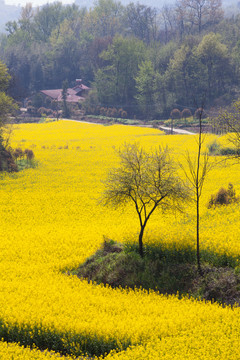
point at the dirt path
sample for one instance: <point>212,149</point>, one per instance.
<point>82,121</point>
<point>178,131</point>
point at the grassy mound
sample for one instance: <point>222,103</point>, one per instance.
<point>166,270</point>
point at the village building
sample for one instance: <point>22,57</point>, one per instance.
<point>74,95</point>
<point>50,102</point>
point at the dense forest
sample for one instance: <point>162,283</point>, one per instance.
<point>144,60</point>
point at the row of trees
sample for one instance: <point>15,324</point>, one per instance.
<point>199,66</point>
<point>144,60</point>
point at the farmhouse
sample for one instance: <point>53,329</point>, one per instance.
<point>74,95</point>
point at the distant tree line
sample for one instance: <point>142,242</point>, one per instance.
<point>143,60</point>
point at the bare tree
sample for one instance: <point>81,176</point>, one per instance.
<point>202,12</point>
<point>196,173</point>
<point>141,21</point>
<point>147,180</point>
<point>168,17</point>
<point>229,121</point>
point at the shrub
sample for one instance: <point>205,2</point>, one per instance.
<point>29,154</point>
<point>186,113</point>
<point>223,197</point>
<point>200,112</point>
<point>214,148</point>
<point>155,124</point>
<point>124,114</point>
<point>31,110</point>
<point>6,161</point>
<point>109,112</point>
<point>103,111</point>
<point>114,112</point>
<point>49,111</point>
<point>229,151</point>
<point>18,153</point>
<point>175,114</point>
<point>42,110</point>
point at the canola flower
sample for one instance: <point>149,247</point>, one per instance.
<point>11,351</point>
<point>202,344</point>
<point>51,221</point>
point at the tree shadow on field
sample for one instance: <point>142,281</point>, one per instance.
<point>168,270</point>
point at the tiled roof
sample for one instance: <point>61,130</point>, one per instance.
<point>80,87</point>
<point>56,94</point>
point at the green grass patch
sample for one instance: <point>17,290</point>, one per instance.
<point>167,270</point>
<point>112,120</point>
<point>23,164</point>
<point>216,149</point>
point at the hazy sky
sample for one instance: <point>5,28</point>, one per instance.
<point>41,2</point>
<point>34,2</point>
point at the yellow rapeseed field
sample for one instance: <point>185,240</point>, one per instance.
<point>51,221</point>
<point>12,351</point>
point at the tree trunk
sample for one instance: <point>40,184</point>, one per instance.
<point>140,241</point>
<point>198,240</point>
<point>198,190</point>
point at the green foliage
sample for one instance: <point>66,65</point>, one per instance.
<point>105,19</point>
<point>6,103</point>
<point>216,61</point>
<point>230,151</point>
<point>24,159</point>
<point>146,89</point>
<point>115,82</point>
<point>214,148</point>
<point>4,76</point>
<point>131,59</point>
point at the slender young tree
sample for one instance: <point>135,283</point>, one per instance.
<point>148,181</point>
<point>196,173</point>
